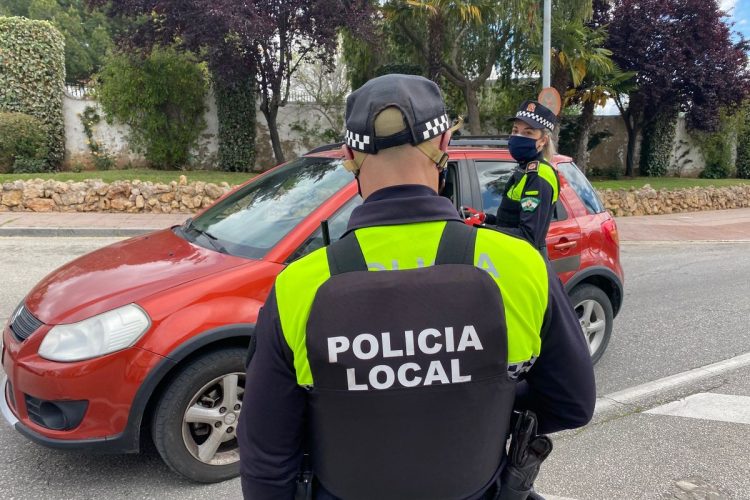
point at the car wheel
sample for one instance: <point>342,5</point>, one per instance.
<point>195,423</point>
<point>594,311</point>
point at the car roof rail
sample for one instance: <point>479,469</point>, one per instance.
<point>327,147</point>
<point>492,141</point>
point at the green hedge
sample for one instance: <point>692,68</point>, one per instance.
<point>21,137</point>
<point>32,58</point>
<point>162,98</point>
<point>743,146</point>
<point>656,148</point>
<point>235,107</point>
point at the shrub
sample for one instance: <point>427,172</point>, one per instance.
<point>161,97</point>
<point>32,57</point>
<point>718,155</point>
<point>30,165</point>
<point>21,136</point>
<point>743,146</point>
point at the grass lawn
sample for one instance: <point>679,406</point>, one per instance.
<point>665,182</point>
<point>165,176</point>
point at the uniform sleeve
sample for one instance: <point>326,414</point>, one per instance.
<point>271,425</point>
<point>560,387</point>
<point>535,218</point>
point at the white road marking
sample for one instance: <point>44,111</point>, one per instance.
<point>637,393</point>
<point>709,406</point>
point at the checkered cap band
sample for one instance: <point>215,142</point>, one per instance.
<point>360,142</point>
<point>432,128</point>
<point>516,369</point>
<point>537,118</point>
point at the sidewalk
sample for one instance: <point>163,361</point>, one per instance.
<point>718,225</point>
<point>84,223</point>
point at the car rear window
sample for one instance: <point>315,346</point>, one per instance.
<point>582,187</point>
<point>251,221</point>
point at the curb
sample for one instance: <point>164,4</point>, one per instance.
<point>640,397</point>
<point>74,232</point>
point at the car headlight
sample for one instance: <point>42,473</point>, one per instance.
<point>96,336</point>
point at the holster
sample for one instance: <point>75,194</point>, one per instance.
<point>525,456</point>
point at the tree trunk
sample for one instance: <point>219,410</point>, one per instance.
<point>472,107</point>
<point>582,142</point>
<point>271,112</point>
<point>559,80</point>
<point>436,40</point>
<point>632,135</point>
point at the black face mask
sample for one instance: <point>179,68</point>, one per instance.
<point>522,149</point>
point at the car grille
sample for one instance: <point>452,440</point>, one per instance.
<point>24,324</point>
<point>34,409</point>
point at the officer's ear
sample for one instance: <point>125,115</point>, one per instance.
<point>349,162</point>
<point>445,140</point>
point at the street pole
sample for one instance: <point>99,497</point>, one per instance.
<point>546,43</point>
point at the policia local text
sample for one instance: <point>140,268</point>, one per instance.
<point>430,341</point>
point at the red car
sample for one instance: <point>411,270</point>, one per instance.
<point>147,337</point>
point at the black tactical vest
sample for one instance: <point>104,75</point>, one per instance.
<point>411,396</point>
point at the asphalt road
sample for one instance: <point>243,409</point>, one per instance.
<point>686,305</point>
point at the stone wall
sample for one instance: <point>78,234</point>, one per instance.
<point>686,159</point>
<point>120,196</point>
<point>297,122</point>
<point>180,196</point>
<point>648,201</point>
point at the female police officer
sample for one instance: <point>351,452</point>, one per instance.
<point>530,194</point>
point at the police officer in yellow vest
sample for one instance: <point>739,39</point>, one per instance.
<point>530,194</point>
<point>396,355</point>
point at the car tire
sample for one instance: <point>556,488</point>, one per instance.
<point>593,306</point>
<point>195,421</point>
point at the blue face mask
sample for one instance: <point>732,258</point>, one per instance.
<point>522,149</point>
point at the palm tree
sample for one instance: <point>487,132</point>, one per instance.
<point>595,89</point>
<point>462,40</point>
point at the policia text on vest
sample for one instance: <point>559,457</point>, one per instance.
<point>367,346</point>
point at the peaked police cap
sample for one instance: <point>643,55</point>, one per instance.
<point>536,115</point>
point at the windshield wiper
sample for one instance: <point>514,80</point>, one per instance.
<point>212,240</point>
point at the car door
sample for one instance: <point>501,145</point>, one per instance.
<point>564,235</point>
<point>564,239</point>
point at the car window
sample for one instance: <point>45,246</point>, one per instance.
<point>251,221</point>
<point>492,177</point>
<point>582,187</point>
<point>336,226</point>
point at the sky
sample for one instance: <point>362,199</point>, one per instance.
<point>739,13</point>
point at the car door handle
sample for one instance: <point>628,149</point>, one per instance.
<point>564,245</point>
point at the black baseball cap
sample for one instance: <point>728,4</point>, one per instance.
<point>536,115</point>
<point>421,106</point>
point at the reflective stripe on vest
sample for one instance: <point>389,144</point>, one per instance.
<point>515,266</point>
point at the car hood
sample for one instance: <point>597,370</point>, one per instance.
<point>122,273</point>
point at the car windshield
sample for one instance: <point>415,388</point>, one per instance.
<point>249,222</point>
